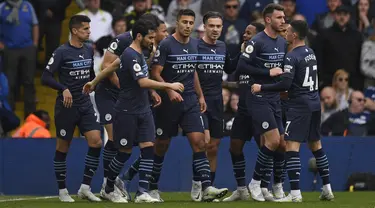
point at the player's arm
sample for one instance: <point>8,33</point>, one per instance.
<point>149,83</point>
<point>247,58</point>
<point>113,52</point>
<point>108,71</point>
<point>53,65</point>
<point>230,85</point>
<point>231,64</point>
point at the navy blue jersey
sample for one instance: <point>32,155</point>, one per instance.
<point>132,98</point>
<point>212,61</point>
<point>178,61</point>
<point>261,54</point>
<point>244,89</point>
<point>301,66</point>
<point>75,69</point>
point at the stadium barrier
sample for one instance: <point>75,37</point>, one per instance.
<point>26,165</point>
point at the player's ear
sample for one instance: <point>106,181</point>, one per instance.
<point>74,31</point>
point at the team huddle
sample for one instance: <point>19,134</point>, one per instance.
<point>152,83</point>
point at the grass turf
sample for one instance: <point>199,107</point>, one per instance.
<point>182,200</point>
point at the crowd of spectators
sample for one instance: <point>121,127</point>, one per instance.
<point>343,39</point>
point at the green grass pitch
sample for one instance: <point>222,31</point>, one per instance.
<point>182,200</point>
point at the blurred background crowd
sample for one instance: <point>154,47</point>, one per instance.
<point>341,34</point>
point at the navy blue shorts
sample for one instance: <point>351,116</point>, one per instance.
<point>186,114</point>
<point>132,129</point>
<point>66,119</point>
<point>302,126</point>
<point>105,102</point>
<point>266,116</point>
<point>214,117</point>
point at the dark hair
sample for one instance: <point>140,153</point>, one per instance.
<point>142,27</point>
<point>270,8</point>
<point>40,113</point>
<point>118,19</point>
<point>77,20</point>
<point>258,26</point>
<point>211,14</point>
<point>152,18</point>
<point>185,12</point>
<point>300,27</point>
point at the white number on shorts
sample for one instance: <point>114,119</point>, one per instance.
<point>287,126</point>
<point>308,81</point>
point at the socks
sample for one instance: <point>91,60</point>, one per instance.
<point>109,153</point>
<point>145,168</point>
<point>195,173</point>
<point>158,165</point>
<point>59,164</point>
<point>264,166</point>
<point>91,164</point>
<point>238,162</point>
<point>213,174</point>
<point>202,166</point>
<point>114,169</point>
<point>133,170</point>
<point>278,167</point>
<point>293,166</point>
<point>322,165</point>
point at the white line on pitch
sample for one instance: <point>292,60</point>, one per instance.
<point>26,199</point>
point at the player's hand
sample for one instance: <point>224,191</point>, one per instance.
<point>88,88</point>
<point>175,96</point>
<point>68,98</point>
<point>284,95</point>
<point>274,72</point>
<point>202,104</point>
<point>255,88</point>
<point>114,80</point>
<point>177,87</point>
<point>156,98</point>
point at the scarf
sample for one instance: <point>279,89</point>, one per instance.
<point>13,16</point>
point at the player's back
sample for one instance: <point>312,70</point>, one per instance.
<point>211,61</point>
<point>74,66</point>
<point>179,61</point>
<point>301,64</point>
<point>132,98</point>
<point>266,53</point>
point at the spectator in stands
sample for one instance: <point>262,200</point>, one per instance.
<point>326,19</point>
<point>328,103</point>
<point>139,8</point>
<point>340,47</point>
<point>363,16</point>
<point>19,34</point>
<point>352,121</point>
<point>51,14</point>
<point>340,84</point>
<point>8,120</point>
<point>251,10</point>
<point>370,98</point>
<point>289,9</point>
<point>101,21</point>
<point>150,7</point>
<point>212,5</point>
<point>230,113</point>
<point>311,36</point>
<point>368,60</point>
<point>36,126</point>
<point>176,5</point>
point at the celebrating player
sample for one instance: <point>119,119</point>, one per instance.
<point>213,59</point>
<point>106,94</point>
<point>262,59</point>
<point>300,78</point>
<point>74,63</point>
<point>175,60</point>
<point>133,111</point>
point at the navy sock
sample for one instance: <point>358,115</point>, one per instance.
<point>145,168</point>
<point>59,164</point>
<point>195,173</point>
<point>238,163</point>
<point>293,166</point>
<point>114,169</point>
<point>109,153</point>
<point>202,166</point>
<point>91,164</point>
<point>322,165</point>
<point>278,167</point>
<point>156,171</point>
<point>264,166</point>
<point>133,170</point>
<point>213,175</point>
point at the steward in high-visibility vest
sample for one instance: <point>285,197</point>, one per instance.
<point>36,126</point>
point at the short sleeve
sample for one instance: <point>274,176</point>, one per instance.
<point>118,45</point>
<point>33,15</point>
<point>54,63</point>
<point>161,54</point>
<point>289,67</point>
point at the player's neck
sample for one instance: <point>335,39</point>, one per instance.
<point>270,32</point>
<point>76,43</point>
<point>297,44</point>
<point>136,46</point>
<point>181,38</point>
<point>208,40</point>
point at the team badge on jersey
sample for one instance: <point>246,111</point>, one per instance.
<point>113,46</point>
<point>157,53</point>
<point>137,67</point>
<point>249,49</point>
